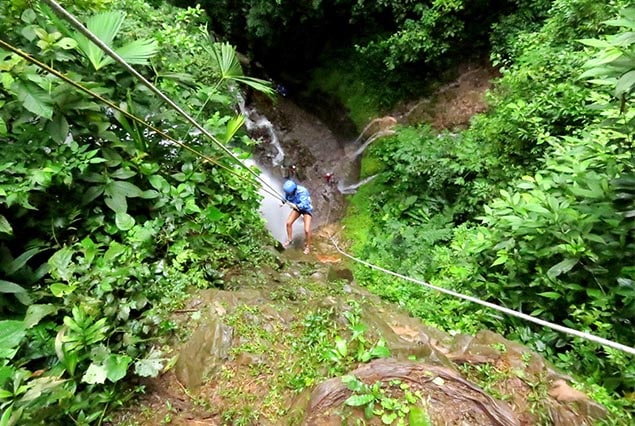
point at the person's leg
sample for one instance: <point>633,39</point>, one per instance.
<point>307,232</point>
<point>293,216</point>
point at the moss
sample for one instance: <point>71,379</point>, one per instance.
<point>359,87</point>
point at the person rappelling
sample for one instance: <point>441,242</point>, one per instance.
<point>299,198</point>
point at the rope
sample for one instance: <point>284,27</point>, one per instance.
<point>560,328</point>
<point>77,85</point>
<point>57,8</point>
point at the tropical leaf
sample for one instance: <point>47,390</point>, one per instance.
<point>5,226</point>
<point>34,99</point>
<point>233,126</point>
<point>229,68</point>
<point>9,287</point>
<point>105,27</point>
<point>226,60</point>
<point>19,262</point>
<point>138,51</point>
<point>35,313</point>
<point>625,84</point>
<point>11,334</point>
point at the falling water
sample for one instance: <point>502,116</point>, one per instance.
<point>255,121</point>
<point>370,140</point>
<point>271,209</point>
<point>351,189</point>
<point>380,123</point>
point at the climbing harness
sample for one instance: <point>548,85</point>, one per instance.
<point>560,328</point>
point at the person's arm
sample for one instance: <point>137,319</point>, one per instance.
<point>303,200</point>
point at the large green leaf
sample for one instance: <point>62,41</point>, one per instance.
<point>124,221</point>
<point>11,334</point>
<point>19,262</point>
<point>561,267</point>
<point>58,128</point>
<point>35,313</point>
<point>138,51</point>
<point>60,263</point>
<point>34,99</point>
<point>9,287</point>
<point>119,188</point>
<point>105,26</point>
<point>5,226</point>
<point>118,204</point>
<point>625,84</point>
<point>95,374</point>
<point>233,126</point>
<point>117,367</point>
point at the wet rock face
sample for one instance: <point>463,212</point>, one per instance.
<point>447,397</point>
<point>440,369</point>
<point>311,152</point>
<point>204,353</point>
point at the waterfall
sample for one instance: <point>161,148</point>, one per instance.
<point>370,140</point>
<point>351,189</point>
<point>254,121</point>
<point>377,128</point>
<point>382,123</point>
<point>273,214</point>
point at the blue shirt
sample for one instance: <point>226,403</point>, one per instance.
<point>301,198</point>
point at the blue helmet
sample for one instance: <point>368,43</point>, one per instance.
<point>289,187</point>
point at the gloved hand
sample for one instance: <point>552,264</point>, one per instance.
<point>293,206</point>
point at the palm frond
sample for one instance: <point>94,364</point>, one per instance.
<point>226,60</point>
<point>138,51</point>
<point>257,84</point>
<point>229,68</point>
<point>105,26</point>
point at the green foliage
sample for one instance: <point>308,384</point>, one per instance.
<point>424,33</point>
<point>103,227</point>
<point>357,348</point>
<point>105,26</point>
<point>531,207</point>
<point>393,403</point>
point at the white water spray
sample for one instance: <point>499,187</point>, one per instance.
<point>255,121</point>
<point>351,189</point>
<point>370,140</point>
<point>272,212</point>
